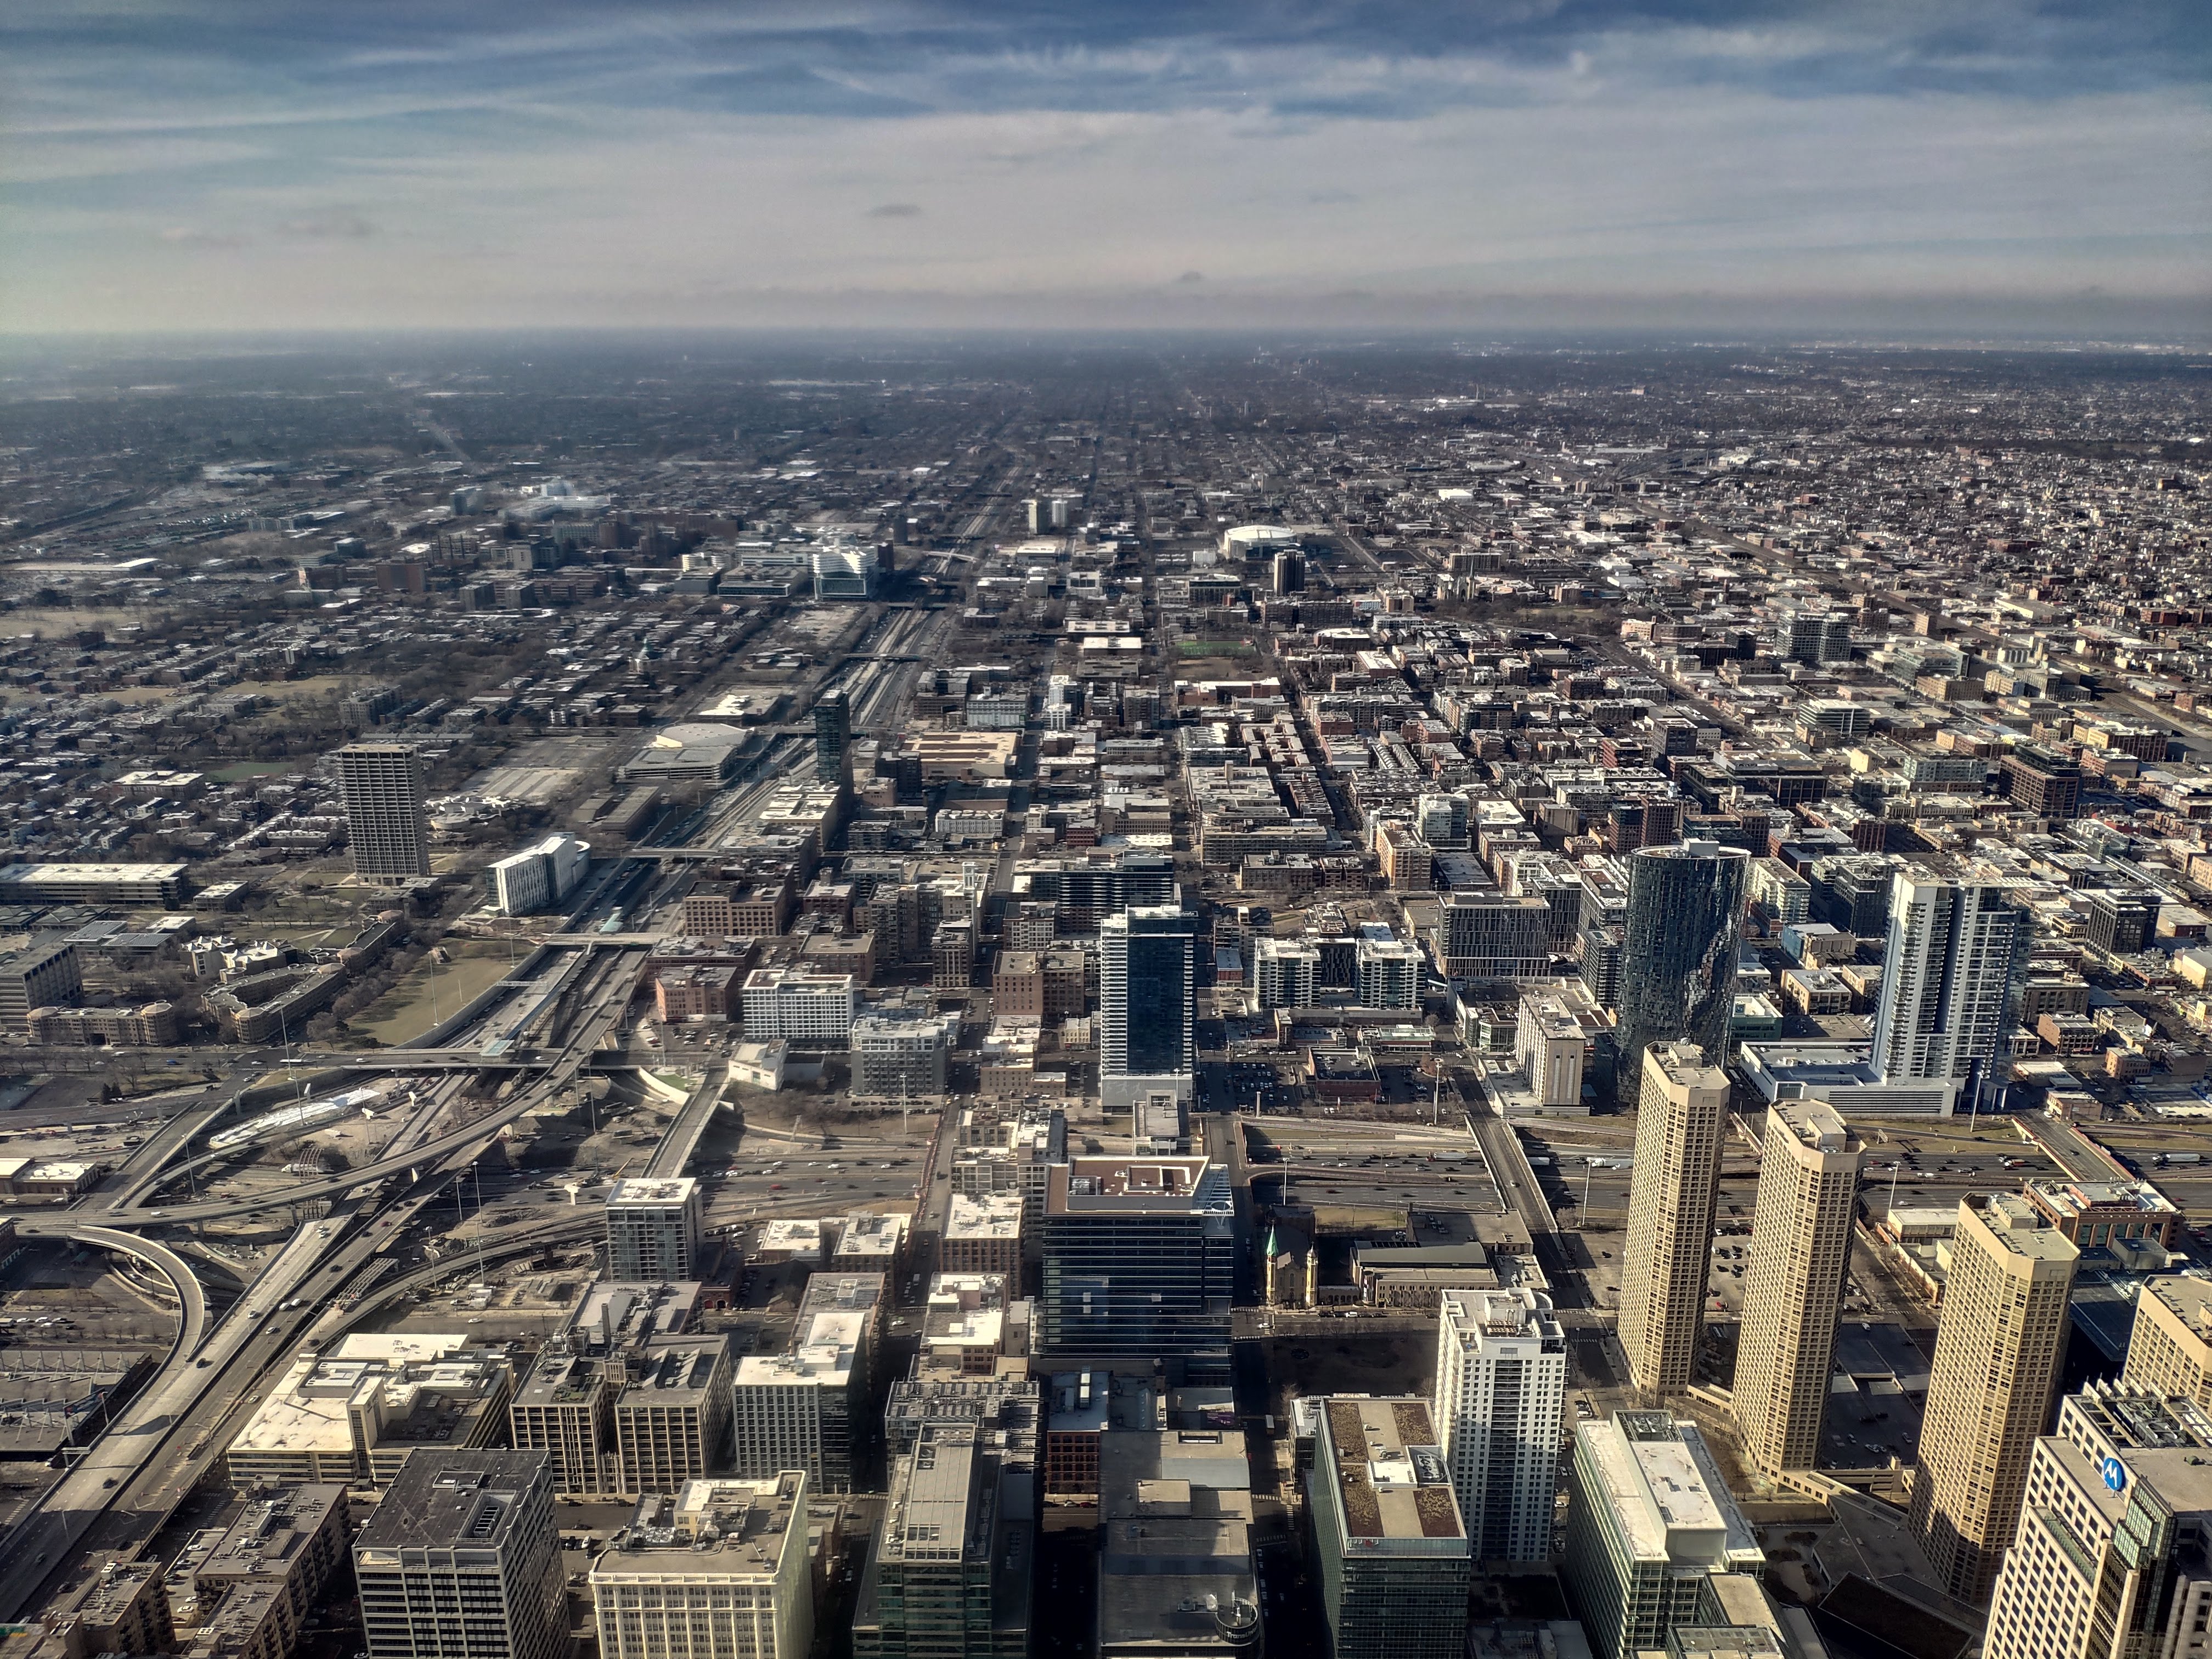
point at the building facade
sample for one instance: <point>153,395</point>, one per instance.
<point>1147,1003</point>
<point>387,816</point>
<point>901,1060</point>
<point>462,1560</point>
<point>1136,1261</point>
<point>1998,1345</point>
<point>1681,1118</point>
<point>1953,968</point>
<point>2170,1348</point>
<point>782,1005</point>
<point>1653,1535</point>
<point>1501,1390</point>
<point>2110,1559</point>
<point>953,1566</point>
<point>1390,1550</point>
<point>653,1229</point>
<point>718,1570</point>
<point>1800,1249</point>
<point>672,1421</point>
<point>1685,915</point>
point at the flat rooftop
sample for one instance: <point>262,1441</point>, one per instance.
<point>1176,1522</point>
<point>1392,1483</point>
<point>676,1371</point>
<point>2019,1229</point>
<point>997,1217</point>
<point>457,1496</point>
<point>1665,1493</point>
<point>718,1528</point>
<point>677,1189</point>
<point>2075,1197</point>
<point>1165,1186</point>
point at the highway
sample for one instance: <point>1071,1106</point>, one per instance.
<point>681,1142</point>
<point>607,1011</point>
<point>126,1484</point>
<point>138,1467</point>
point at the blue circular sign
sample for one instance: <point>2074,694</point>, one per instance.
<point>2115,1474</point>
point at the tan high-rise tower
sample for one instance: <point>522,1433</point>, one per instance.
<point>387,823</point>
<point>1998,1348</point>
<point>1801,1244</point>
<point>1681,1114</point>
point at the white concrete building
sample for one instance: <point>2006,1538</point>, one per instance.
<point>540,875</point>
<point>782,1004</point>
<point>716,1571</point>
<point>1501,1387</point>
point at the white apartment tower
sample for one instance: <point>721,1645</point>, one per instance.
<point>1283,973</point>
<point>1681,1115</point>
<point>1390,974</point>
<point>1501,1387</point>
<point>1956,954</point>
<point>1800,1245</point>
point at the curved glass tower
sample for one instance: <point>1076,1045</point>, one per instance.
<point>1678,951</point>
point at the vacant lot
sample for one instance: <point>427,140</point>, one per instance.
<point>428,995</point>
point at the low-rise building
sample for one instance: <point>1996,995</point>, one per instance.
<point>982,1236</point>
<point>2096,1214</point>
<point>969,1324</point>
<point>695,992</point>
<point>355,1411</point>
<point>871,1242</point>
<point>672,1422</point>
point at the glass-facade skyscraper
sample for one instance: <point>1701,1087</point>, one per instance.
<point>1951,977</point>
<point>1138,1258</point>
<point>1147,1005</point>
<point>1678,951</point>
<point>833,735</point>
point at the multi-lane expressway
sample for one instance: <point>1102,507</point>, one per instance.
<point>126,1483</point>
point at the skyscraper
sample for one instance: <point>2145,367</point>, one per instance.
<point>2170,1347</point>
<point>1501,1385</point>
<point>462,1560</point>
<point>1678,952</point>
<point>1951,976</point>
<point>2110,1560</point>
<point>1680,1117</point>
<point>833,735</point>
<point>387,824</point>
<point>1147,1005</point>
<point>1998,1343</point>
<point>1801,1246</point>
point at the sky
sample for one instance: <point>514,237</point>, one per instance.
<point>1983,166</point>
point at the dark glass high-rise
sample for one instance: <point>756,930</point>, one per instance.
<point>1678,952</point>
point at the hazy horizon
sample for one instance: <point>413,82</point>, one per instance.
<point>1991,168</point>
